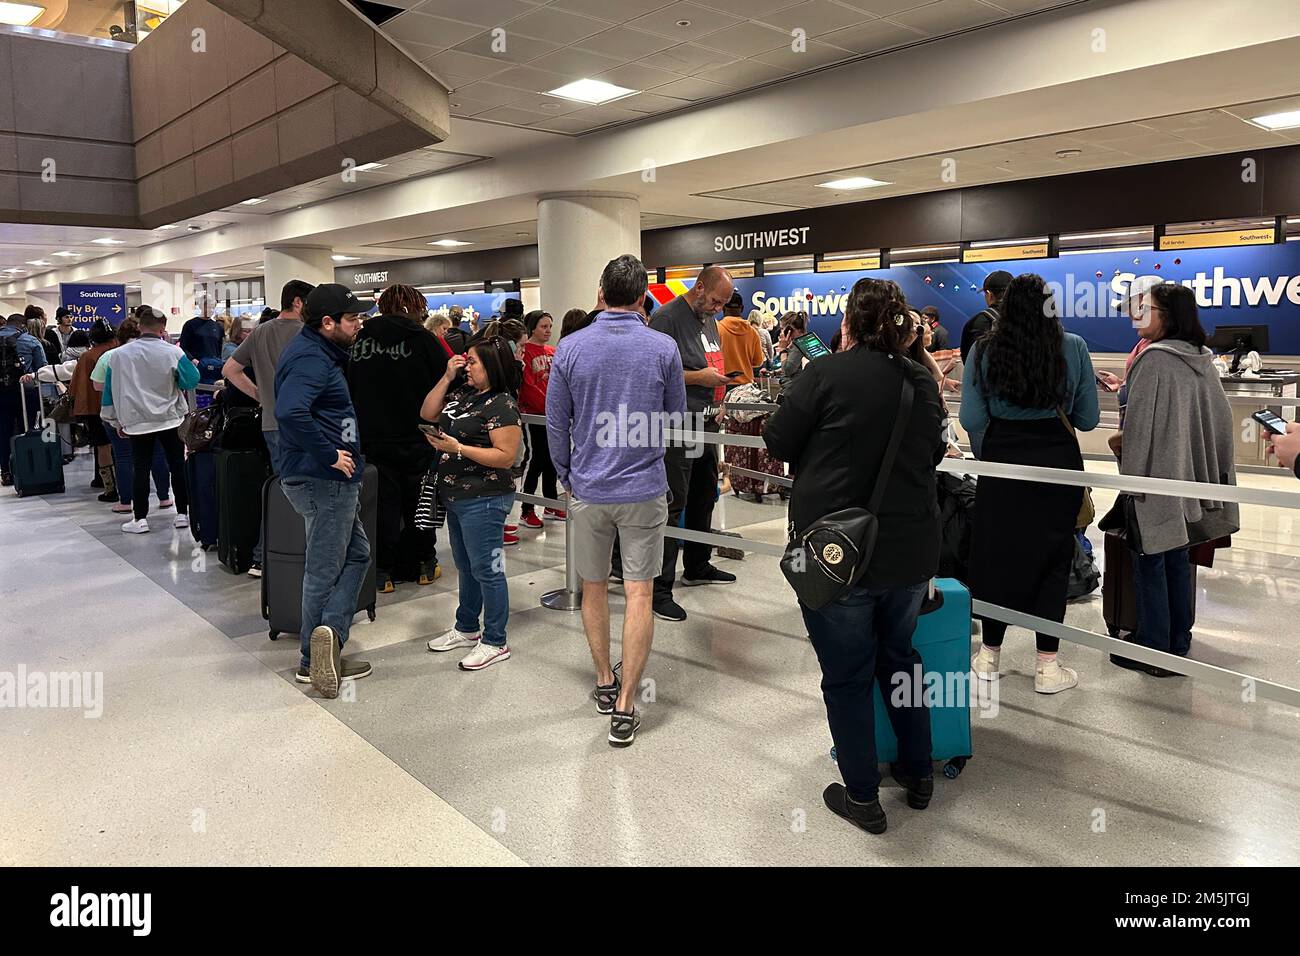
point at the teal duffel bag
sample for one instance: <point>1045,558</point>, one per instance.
<point>943,636</point>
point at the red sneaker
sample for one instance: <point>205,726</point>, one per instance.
<point>511,528</point>
<point>532,521</point>
<point>554,514</point>
<point>509,539</point>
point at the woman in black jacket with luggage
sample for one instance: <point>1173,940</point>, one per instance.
<point>834,426</point>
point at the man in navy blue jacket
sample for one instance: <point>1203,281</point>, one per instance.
<point>320,473</point>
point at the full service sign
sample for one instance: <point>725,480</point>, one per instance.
<point>1257,285</point>
<point>90,302</point>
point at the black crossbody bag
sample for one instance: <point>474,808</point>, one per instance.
<point>833,552</point>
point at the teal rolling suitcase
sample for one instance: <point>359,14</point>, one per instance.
<point>943,634</point>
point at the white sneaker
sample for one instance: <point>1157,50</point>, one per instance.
<point>985,662</point>
<point>136,527</point>
<point>452,640</point>
<point>1051,678</point>
<point>483,655</point>
<point>182,521</point>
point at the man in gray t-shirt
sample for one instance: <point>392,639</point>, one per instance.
<point>261,351</point>
<point>693,473</point>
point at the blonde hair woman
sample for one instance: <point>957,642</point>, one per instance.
<point>756,317</point>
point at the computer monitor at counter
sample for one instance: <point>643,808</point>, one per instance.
<point>1240,340</point>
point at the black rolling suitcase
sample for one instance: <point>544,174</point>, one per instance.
<point>284,545</point>
<point>240,475</point>
<point>36,464</point>
<point>201,481</point>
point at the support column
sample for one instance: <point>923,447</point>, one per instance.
<point>171,292</point>
<point>8,306</point>
<point>283,263</point>
<point>577,234</point>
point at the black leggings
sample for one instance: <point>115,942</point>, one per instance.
<point>539,465</point>
<point>994,631</point>
<point>142,447</point>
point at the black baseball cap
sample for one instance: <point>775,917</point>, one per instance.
<point>997,282</point>
<point>333,300</point>
<point>512,309</point>
<point>735,302</point>
<point>60,312</point>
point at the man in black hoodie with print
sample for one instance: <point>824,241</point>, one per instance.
<point>395,363</point>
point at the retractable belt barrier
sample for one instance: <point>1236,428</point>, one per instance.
<point>570,598</point>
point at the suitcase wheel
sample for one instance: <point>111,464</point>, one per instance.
<point>953,767</point>
<point>274,635</point>
<point>370,613</point>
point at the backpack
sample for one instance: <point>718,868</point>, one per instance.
<point>12,368</point>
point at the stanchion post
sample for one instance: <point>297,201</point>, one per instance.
<point>569,597</point>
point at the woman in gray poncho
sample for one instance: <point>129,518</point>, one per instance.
<point>1178,425</point>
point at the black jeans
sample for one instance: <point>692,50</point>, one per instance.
<point>401,547</point>
<point>539,466</point>
<point>1163,587</point>
<point>692,490</point>
<point>142,451</point>
<point>859,639</point>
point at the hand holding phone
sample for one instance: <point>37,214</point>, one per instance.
<point>1270,421</point>
<point>433,430</point>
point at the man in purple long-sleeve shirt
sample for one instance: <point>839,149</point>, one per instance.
<point>615,387</point>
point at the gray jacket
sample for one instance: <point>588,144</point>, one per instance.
<point>1178,425</point>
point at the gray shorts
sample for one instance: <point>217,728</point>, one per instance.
<point>640,529</point>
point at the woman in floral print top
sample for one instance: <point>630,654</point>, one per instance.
<point>479,440</point>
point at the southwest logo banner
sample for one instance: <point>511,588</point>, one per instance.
<point>1250,285</point>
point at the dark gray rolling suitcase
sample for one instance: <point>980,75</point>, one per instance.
<point>240,476</point>
<point>36,465</point>
<point>284,544</point>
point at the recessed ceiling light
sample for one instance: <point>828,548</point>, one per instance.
<point>365,166</point>
<point>345,258</point>
<point>854,182</point>
<point>590,91</point>
<point>448,243</point>
<point>174,225</point>
<point>213,275</point>
<point>68,255</point>
<point>252,202</point>
<point>1288,120</point>
<point>109,242</point>
<point>1068,153</point>
<point>683,23</point>
<point>20,14</point>
<point>523,233</point>
<point>37,262</point>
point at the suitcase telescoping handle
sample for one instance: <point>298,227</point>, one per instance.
<point>40,406</point>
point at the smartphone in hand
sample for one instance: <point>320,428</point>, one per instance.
<point>1270,421</point>
<point>433,430</point>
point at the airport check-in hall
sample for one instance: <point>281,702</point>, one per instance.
<point>638,433</point>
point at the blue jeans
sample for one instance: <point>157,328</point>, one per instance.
<point>337,556</point>
<point>1164,601</point>
<point>124,468</point>
<point>476,526</point>
<point>272,446</point>
<point>864,637</point>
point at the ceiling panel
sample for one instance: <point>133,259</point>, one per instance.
<point>1170,137</point>
<point>725,46</point>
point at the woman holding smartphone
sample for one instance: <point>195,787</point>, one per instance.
<point>477,436</point>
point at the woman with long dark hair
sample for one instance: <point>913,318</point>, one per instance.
<point>477,443</point>
<point>1177,425</point>
<point>834,426</point>
<point>1031,386</point>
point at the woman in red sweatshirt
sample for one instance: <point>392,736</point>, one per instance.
<point>532,401</point>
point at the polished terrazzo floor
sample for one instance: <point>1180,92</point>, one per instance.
<point>208,753</point>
